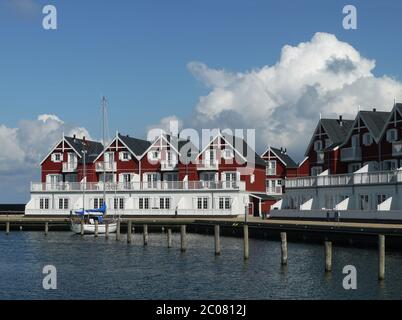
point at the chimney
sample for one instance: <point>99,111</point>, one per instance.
<point>83,139</point>
<point>341,120</point>
<point>285,151</point>
<point>374,110</point>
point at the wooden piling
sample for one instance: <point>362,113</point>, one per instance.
<point>96,228</point>
<point>328,256</point>
<point>46,228</point>
<point>129,231</point>
<point>7,227</point>
<point>381,257</point>
<point>169,238</point>
<point>217,241</point>
<point>118,230</point>
<point>284,249</point>
<point>246,243</point>
<point>82,227</point>
<point>106,230</point>
<point>145,234</point>
<point>183,238</point>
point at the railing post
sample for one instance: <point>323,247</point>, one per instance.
<point>46,228</point>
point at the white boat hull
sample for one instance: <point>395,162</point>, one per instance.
<point>90,228</point>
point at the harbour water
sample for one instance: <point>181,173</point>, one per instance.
<point>90,268</point>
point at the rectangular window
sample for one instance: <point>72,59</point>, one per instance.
<point>271,168</point>
<point>364,202</point>
<point>227,203</point>
<point>381,198</point>
<point>144,203</point>
<point>318,145</point>
<point>98,203</point>
<point>44,204</point>
<point>118,203</point>
<point>202,203</point>
<point>63,204</point>
<point>164,203</point>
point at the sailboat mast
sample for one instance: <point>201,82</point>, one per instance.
<point>104,146</point>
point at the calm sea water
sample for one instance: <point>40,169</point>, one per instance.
<point>90,268</point>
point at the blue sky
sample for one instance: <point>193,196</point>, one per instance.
<point>137,54</point>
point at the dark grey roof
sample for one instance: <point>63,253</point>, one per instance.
<point>137,146</point>
<point>285,158</point>
<point>183,146</point>
<point>94,148</point>
<point>375,121</point>
<point>244,148</point>
<point>399,107</point>
<point>337,132</point>
<point>264,196</point>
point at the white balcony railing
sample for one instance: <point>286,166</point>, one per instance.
<point>397,148</point>
<point>70,166</point>
<point>274,190</point>
<point>208,165</point>
<point>168,165</point>
<point>271,172</point>
<point>106,166</point>
<point>139,186</point>
<point>351,154</point>
<point>380,177</point>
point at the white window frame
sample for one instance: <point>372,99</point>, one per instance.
<point>393,131</point>
<point>367,139</point>
<point>55,155</point>
<point>318,145</point>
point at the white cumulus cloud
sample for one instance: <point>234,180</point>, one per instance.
<point>283,101</point>
<point>23,147</point>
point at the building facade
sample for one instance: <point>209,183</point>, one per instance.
<point>167,176</point>
<point>359,174</point>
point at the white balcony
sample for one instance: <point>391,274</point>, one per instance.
<point>138,186</point>
<point>367,178</point>
<point>168,165</point>
<point>106,166</point>
<point>271,171</point>
<point>208,165</point>
<point>274,191</point>
<point>70,167</point>
<point>351,154</point>
<point>397,148</point>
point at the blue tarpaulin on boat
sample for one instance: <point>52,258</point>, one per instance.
<point>100,210</point>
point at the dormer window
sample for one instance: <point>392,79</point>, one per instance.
<point>57,157</point>
<point>367,139</point>
<point>392,135</point>
<point>318,145</point>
